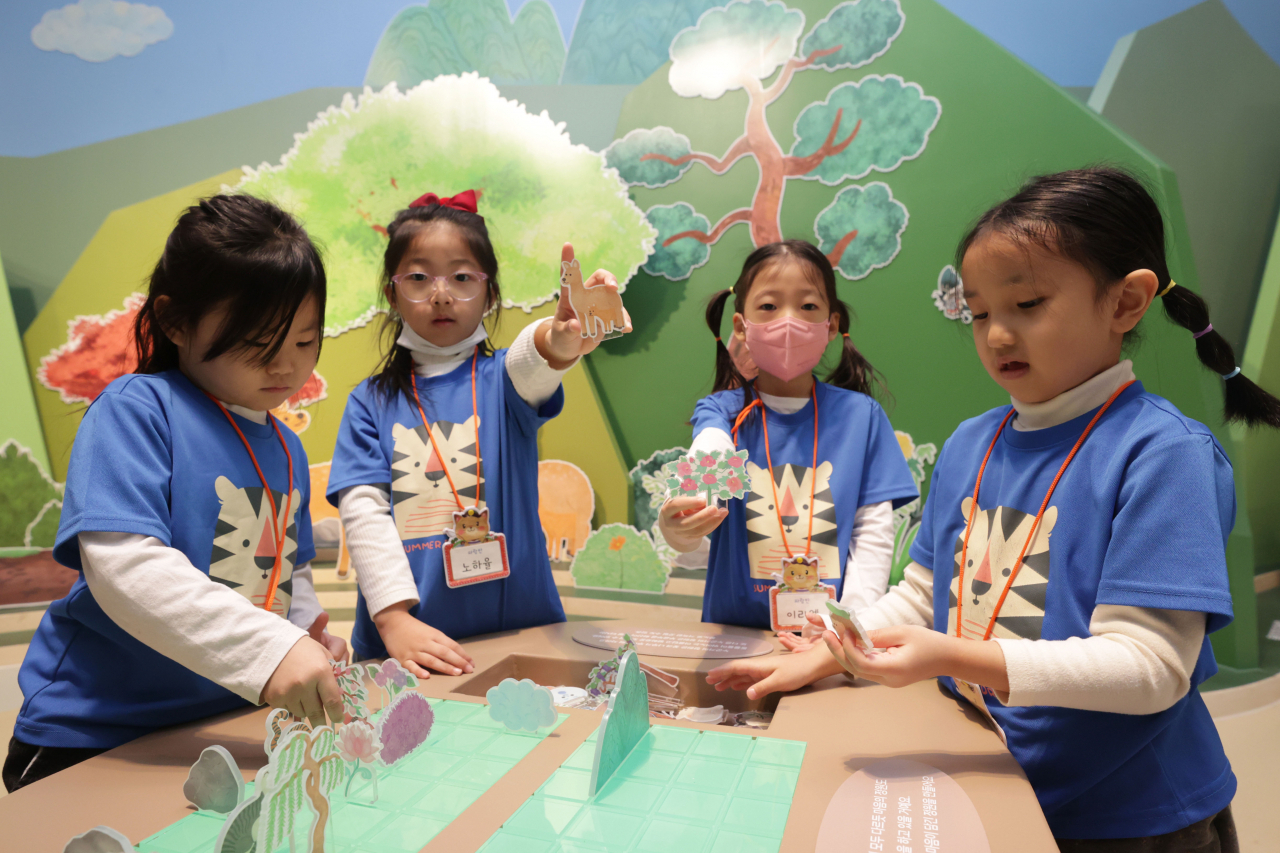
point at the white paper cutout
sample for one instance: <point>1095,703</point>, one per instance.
<point>100,839</point>
<point>214,782</point>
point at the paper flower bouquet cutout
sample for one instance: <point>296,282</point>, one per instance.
<point>716,474</point>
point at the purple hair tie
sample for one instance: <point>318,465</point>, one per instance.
<point>1200,334</point>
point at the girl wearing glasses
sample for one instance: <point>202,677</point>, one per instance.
<point>435,473</point>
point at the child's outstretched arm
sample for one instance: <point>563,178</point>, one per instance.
<point>156,596</point>
<point>385,578</point>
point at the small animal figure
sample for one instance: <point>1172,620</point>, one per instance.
<point>800,574</point>
<point>471,525</point>
<point>599,308</point>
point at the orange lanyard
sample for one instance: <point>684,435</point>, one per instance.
<point>1035,525</point>
<point>279,526</point>
<point>475,417</point>
<point>813,479</point>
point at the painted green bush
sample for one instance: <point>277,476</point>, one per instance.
<point>360,162</point>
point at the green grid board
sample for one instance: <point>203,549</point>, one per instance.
<point>679,790</point>
<point>464,755</point>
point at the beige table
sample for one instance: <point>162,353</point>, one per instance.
<point>137,788</point>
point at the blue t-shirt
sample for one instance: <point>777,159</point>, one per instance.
<point>384,444</point>
<point>859,462</point>
<point>1140,518</point>
<point>156,457</point>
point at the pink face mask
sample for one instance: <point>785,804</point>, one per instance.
<point>787,347</point>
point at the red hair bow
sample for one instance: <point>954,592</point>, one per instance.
<point>465,200</point>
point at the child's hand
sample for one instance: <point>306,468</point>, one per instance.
<point>562,340</point>
<point>303,684</point>
<point>418,646</point>
<point>336,645</point>
<point>684,521</point>
<point>761,676</point>
<point>808,638</point>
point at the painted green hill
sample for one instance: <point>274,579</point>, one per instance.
<point>623,43</point>
<point>453,36</point>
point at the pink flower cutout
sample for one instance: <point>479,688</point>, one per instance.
<point>734,484</point>
<point>358,742</point>
<point>391,672</point>
<point>707,461</point>
<point>689,485</point>
<point>734,461</point>
<point>683,468</point>
<point>709,479</point>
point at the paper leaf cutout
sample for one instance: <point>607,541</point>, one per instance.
<point>214,782</point>
<point>599,308</point>
<point>715,474</point>
<point>625,722</point>
<point>350,679</point>
<point>237,834</point>
<point>404,726</point>
<point>521,705</point>
<point>100,839</point>
<point>301,772</point>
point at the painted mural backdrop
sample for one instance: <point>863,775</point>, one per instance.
<point>737,123</point>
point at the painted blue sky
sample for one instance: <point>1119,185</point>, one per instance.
<point>231,53</point>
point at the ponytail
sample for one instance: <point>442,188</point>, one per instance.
<point>1105,219</point>
<point>853,372</point>
<point>728,376</point>
<point>1243,400</point>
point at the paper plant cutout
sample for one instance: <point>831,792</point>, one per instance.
<point>599,308</point>
<point>846,618</point>
<point>351,682</point>
<point>521,705</point>
<point>214,782</point>
<point>279,723</point>
<point>617,556</point>
<point>100,839</point>
<point>302,770</point>
<point>649,484</point>
<point>718,475</point>
<point>392,678</point>
<point>358,744</point>
<point>237,833</point>
<point>625,722</point>
<point>566,504</point>
<point>949,296</point>
<point>404,726</point>
<point>604,675</point>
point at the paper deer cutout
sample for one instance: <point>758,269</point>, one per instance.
<point>599,308</point>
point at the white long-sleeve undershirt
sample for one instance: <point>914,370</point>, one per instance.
<point>870,560</point>
<point>159,598</point>
<point>1137,660</point>
<point>382,568</point>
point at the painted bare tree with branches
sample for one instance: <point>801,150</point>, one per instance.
<point>873,124</point>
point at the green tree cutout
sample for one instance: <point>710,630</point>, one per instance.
<point>30,500</point>
<point>873,124</point>
<point>617,556</point>
<point>361,161</point>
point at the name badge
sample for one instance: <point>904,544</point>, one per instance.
<point>474,553</point>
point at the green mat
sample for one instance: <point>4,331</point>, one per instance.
<point>679,791</point>
<point>465,754</point>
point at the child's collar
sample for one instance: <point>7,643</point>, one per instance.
<point>258,417</point>
<point>1073,403</point>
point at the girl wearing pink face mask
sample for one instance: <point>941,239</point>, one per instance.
<point>826,469</point>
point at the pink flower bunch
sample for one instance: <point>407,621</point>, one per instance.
<point>358,741</point>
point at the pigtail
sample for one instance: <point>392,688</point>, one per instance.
<point>727,375</point>
<point>1243,400</point>
<point>853,372</point>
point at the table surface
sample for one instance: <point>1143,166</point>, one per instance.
<point>137,788</point>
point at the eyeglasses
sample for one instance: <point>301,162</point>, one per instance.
<point>462,285</point>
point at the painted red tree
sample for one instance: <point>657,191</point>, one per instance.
<point>873,124</point>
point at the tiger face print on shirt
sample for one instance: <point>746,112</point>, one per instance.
<point>244,546</point>
<point>994,544</point>
<point>765,539</point>
<point>422,501</point>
